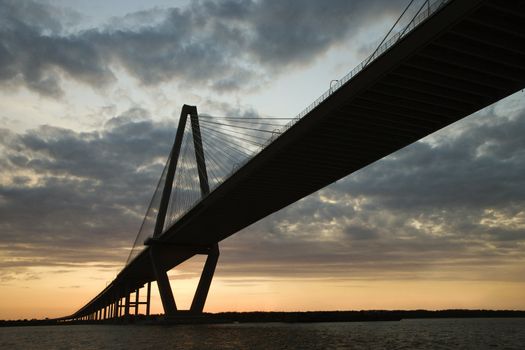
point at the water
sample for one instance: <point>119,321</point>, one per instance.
<point>407,334</point>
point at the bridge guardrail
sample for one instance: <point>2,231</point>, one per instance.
<point>418,19</point>
<point>430,7</point>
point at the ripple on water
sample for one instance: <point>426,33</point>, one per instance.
<point>407,334</point>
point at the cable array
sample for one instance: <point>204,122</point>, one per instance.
<point>229,142</point>
<point>148,223</point>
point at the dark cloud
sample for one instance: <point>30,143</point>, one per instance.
<point>35,54</point>
<point>450,204</point>
<point>224,45</point>
<point>292,32</point>
<point>66,194</point>
<point>480,168</point>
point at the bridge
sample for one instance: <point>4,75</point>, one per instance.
<point>453,58</point>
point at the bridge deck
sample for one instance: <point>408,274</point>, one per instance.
<point>469,54</point>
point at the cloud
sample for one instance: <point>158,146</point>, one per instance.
<point>33,53</point>
<point>66,194</point>
<point>442,206</point>
<point>222,45</point>
<point>448,204</point>
<point>296,32</point>
<point>438,208</point>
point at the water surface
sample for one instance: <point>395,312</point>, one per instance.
<point>407,334</point>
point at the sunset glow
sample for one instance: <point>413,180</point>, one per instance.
<point>90,98</point>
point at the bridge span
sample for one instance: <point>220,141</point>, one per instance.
<point>455,58</point>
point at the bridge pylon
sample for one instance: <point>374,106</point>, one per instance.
<point>157,247</point>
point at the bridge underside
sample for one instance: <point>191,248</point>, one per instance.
<point>467,56</point>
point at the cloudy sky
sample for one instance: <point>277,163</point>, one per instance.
<point>90,97</point>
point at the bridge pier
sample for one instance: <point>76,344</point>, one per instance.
<point>148,299</point>
<point>156,245</point>
<point>117,306</point>
<point>203,287</point>
<point>165,291</point>
<point>137,301</point>
<point>163,283</point>
<point>126,305</point>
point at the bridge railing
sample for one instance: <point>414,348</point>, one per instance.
<point>426,10</point>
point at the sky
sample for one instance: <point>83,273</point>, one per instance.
<point>90,97</point>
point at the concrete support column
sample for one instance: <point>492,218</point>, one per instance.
<point>199,152</point>
<point>172,166</point>
<point>201,293</point>
<point>126,306</point>
<point>117,307</point>
<point>137,301</point>
<point>148,298</point>
<point>166,295</point>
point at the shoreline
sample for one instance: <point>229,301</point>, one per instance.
<point>184,317</point>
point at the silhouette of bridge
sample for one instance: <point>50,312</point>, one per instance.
<point>453,58</point>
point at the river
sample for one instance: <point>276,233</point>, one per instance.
<point>482,333</point>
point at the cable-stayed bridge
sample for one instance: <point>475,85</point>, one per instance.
<point>452,58</point>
